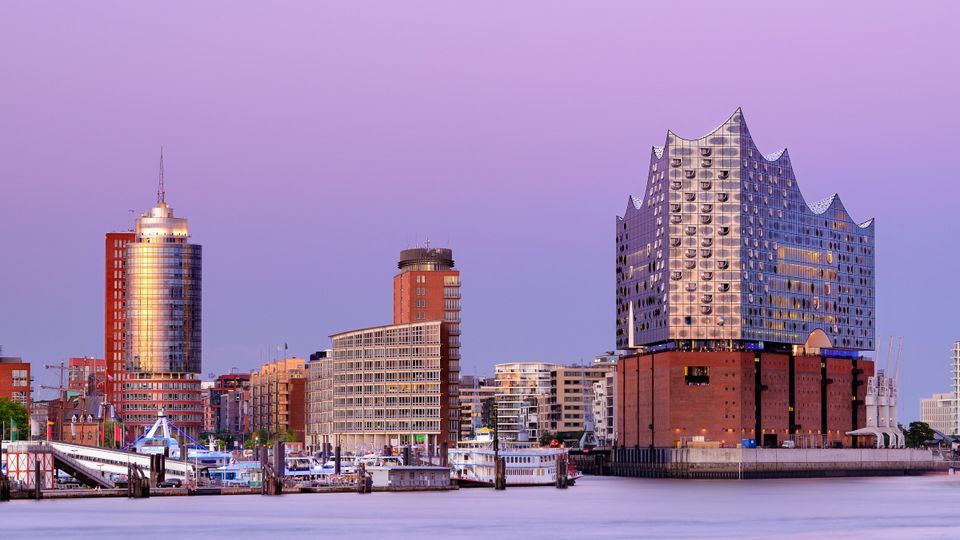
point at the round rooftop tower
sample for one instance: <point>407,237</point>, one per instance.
<point>425,259</point>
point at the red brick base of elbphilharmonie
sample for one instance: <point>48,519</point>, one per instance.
<point>669,398</point>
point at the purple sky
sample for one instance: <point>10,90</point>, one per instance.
<point>308,143</point>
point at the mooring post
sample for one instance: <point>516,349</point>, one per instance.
<point>37,478</point>
<point>500,476</point>
<point>562,471</point>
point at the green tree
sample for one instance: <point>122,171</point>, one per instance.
<point>14,414</point>
<point>917,434</point>
<point>546,438</point>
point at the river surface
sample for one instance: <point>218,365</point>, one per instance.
<point>874,508</point>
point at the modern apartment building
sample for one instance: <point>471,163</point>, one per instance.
<point>15,383</point>
<point>939,412</point>
<point>748,308</point>
<point>230,404</point>
<point>390,387</point>
<point>115,311</point>
<point>521,387</point>
<point>568,407</point>
<point>162,330</point>
<point>478,396</point>
<point>319,428</point>
<point>278,393</point>
<point>955,357</point>
<point>604,409</point>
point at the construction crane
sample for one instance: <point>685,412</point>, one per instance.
<point>61,395</point>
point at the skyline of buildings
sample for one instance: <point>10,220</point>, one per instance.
<point>822,274</point>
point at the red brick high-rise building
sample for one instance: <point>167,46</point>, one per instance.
<point>115,305</point>
<point>428,289</point>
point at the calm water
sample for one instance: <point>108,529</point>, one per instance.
<point>927,507</point>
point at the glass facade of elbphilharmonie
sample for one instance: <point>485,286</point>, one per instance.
<point>723,252</point>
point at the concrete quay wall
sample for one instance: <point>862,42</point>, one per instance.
<point>771,462</point>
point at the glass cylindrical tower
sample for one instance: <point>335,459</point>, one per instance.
<point>163,323</point>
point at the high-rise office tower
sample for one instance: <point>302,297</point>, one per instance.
<point>163,322</point>
<point>115,311</point>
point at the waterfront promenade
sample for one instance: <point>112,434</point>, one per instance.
<point>602,508</point>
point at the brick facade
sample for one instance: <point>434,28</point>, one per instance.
<point>671,397</point>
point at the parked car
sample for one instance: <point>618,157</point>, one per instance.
<point>788,444</point>
<point>172,483</point>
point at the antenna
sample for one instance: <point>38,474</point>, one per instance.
<point>161,194</point>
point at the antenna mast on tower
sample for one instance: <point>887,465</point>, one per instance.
<point>161,193</point>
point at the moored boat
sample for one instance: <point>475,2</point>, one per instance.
<point>473,463</point>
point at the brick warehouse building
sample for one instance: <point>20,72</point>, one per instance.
<point>746,308</point>
<point>672,396</point>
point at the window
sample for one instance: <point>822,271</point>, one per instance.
<point>20,377</point>
<point>696,375</point>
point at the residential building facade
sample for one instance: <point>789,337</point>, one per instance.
<point>478,396</point>
<point>320,402</point>
<point>955,357</point>
<point>230,404</point>
<point>521,387</point>
<point>390,387</point>
<point>15,383</point>
<point>567,409</point>
<point>939,412</point>
<point>277,399</point>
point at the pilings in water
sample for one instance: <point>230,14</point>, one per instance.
<point>273,473</point>
<point>138,485</point>
<point>4,488</point>
<point>500,477</point>
<point>158,469</point>
<point>37,481</point>
<point>562,479</point>
<point>364,480</point>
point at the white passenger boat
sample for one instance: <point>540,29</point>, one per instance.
<point>472,463</point>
